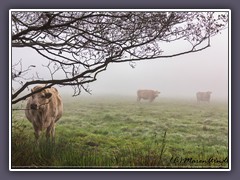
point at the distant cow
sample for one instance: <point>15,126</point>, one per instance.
<point>203,96</point>
<point>43,110</point>
<point>147,95</point>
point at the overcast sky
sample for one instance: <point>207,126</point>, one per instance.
<point>181,76</point>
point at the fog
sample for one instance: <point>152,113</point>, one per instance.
<point>180,76</point>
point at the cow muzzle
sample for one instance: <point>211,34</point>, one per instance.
<point>33,106</point>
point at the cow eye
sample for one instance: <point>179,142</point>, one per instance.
<point>42,96</point>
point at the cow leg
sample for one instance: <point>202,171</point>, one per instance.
<point>50,133</point>
<point>37,134</point>
<point>53,133</point>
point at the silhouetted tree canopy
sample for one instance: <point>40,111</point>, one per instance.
<point>80,45</point>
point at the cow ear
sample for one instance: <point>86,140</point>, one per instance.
<point>48,95</point>
<point>32,91</point>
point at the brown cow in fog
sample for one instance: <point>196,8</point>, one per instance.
<point>203,96</point>
<point>43,110</point>
<point>147,95</point>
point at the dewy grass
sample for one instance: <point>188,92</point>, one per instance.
<point>121,133</point>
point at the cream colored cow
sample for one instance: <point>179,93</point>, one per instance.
<point>43,110</point>
<point>147,95</point>
<point>203,96</point>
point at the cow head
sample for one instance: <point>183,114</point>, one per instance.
<point>39,99</point>
<point>156,93</point>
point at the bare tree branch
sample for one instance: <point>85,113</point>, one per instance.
<point>80,45</point>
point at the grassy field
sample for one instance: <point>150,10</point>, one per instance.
<point>121,133</point>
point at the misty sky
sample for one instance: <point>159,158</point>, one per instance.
<point>181,76</point>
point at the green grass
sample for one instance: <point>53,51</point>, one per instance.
<point>121,133</point>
